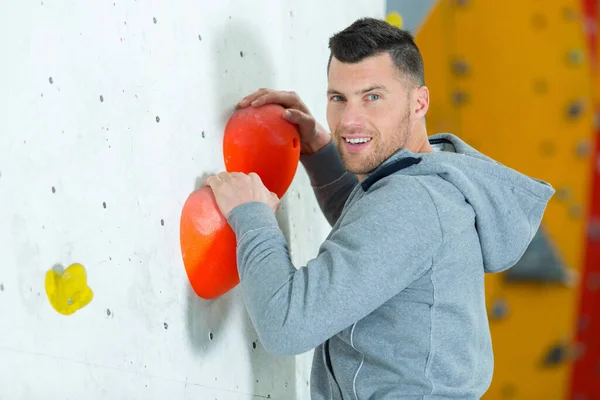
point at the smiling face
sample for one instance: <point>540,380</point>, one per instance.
<point>371,111</point>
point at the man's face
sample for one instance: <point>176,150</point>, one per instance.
<point>368,111</point>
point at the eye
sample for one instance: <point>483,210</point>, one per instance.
<point>373,96</point>
<point>336,98</point>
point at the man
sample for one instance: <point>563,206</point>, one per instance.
<point>394,302</point>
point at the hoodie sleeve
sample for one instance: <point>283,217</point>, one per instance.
<point>387,239</point>
<point>331,182</point>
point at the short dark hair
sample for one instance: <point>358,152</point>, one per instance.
<point>368,37</point>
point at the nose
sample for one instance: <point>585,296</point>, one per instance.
<point>352,118</point>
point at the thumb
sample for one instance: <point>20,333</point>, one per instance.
<point>303,120</point>
<point>274,201</point>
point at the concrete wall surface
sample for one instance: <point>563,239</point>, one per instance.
<point>111,113</point>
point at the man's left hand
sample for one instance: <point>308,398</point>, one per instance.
<point>235,188</point>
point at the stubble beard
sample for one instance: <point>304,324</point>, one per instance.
<point>378,151</point>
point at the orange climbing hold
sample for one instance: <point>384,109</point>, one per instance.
<point>208,246</point>
<point>260,140</point>
<point>256,140</point>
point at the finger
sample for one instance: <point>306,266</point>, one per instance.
<point>212,181</point>
<point>286,99</point>
<point>299,118</point>
<point>255,177</point>
<point>251,97</point>
<point>234,176</point>
<point>224,176</point>
<point>256,180</point>
<point>274,202</point>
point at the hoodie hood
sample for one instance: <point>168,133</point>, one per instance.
<point>508,205</point>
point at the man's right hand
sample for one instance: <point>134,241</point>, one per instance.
<point>313,137</point>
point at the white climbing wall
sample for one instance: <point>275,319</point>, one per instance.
<point>111,112</point>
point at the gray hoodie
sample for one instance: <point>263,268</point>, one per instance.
<point>394,302</point>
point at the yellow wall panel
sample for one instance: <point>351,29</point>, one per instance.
<point>513,79</point>
<point>435,39</point>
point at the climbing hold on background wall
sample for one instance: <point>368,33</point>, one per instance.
<point>547,148</point>
<point>509,391</point>
<point>575,109</point>
<point>541,262</point>
<point>570,14</point>
<point>459,97</point>
<point>576,56</point>
<point>575,211</point>
<point>583,148</point>
<point>563,193</point>
<point>540,86</point>
<point>499,309</point>
<point>394,18</point>
<point>67,290</point>
<point>556,354</point>
<point>260,140</point>
<point>460,67</point>
<point>539,20</point>
<point>594,230</point>
<point>208,246</point>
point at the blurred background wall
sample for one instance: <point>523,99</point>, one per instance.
<point>519,80</point>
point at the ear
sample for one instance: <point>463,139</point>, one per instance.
<point>421,101</point>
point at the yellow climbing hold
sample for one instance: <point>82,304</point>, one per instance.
<point>394,18</point>
<point>68,291</point>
